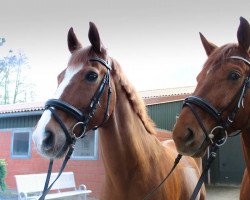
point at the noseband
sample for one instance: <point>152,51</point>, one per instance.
<point>83,119</point>
<point>215,113</point>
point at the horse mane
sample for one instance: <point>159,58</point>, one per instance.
<point>82,55</point>
<point>134,98</point>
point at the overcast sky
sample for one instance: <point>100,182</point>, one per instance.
<point>156,42</point>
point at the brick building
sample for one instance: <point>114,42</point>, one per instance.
<point>16,147</point>
<point>16,125</point>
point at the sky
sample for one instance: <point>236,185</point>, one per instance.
<point>156,41</point>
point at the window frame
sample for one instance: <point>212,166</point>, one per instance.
<point>16,131</point>
<point>96,147</point>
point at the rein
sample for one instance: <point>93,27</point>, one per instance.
<point>83,119</point>
<point>220,124</point>
<point>203,176</point>
<point>177,160</point>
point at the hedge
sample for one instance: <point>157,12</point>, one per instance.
<point>3,173</point>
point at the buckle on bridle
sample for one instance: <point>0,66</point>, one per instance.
<point>221,141</point>
<point>83,134</point>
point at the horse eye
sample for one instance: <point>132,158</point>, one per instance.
<point>91,76</point>
<point>233,76</point>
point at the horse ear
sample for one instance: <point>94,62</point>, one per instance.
<point>73,43</point>
<point>94,37</point>
<point>243,34</point>
<point>208,46</point>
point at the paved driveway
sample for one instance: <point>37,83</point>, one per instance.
<point>223,192</point>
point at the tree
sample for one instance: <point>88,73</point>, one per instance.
<point>2,40</point>
<point>14,85</point>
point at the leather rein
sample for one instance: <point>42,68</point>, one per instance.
<point>83,119</point>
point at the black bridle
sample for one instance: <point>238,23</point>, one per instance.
<point>83,119</point>
<point>217,116</point>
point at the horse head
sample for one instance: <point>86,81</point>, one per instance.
<point>220,103</point>
<point>83,99</point>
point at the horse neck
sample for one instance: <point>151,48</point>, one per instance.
<point>127,148</point>
<point>245,139</point>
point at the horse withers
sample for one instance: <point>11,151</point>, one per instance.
<point>93,92</point>
<point>220,105</point>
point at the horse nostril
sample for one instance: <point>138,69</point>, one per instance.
<point>189,137</point>
<point>48,141</point>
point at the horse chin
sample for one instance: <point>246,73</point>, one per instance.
<point>195,154</point>
<point>195,151</point>
<point>200,152</point>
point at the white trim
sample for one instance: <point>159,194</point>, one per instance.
<point>16,131</point>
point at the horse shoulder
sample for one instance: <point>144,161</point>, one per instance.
<point>186,161</point>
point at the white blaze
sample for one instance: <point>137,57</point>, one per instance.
<point>70,72</point>
<point>46,116</point>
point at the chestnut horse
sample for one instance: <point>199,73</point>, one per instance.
<point>93,92</point>
<point>220,104</point>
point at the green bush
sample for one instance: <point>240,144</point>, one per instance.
<point>3,173</point>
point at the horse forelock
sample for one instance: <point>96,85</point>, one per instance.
<point>82,55</point>
<point>220,54</point>
<point>217,57</point>
<point>134,98</point>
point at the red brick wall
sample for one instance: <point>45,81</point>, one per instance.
<point>88,172</point>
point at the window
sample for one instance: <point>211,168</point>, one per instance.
<point>20,147</point>
<point>87,147</point>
